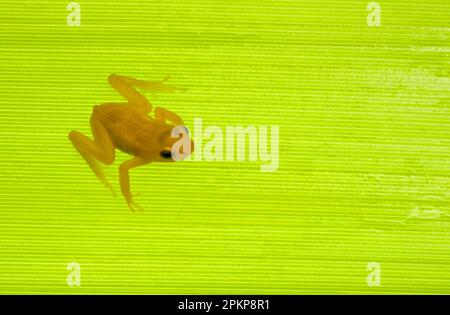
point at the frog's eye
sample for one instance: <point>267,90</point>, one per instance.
<point>176,131</point>
<point>186,130</point>
<point>166,154</point>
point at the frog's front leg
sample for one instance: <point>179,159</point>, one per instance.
<point>124,179</point>
<point>100,149</point>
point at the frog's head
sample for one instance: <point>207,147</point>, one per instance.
<point>175,144</point>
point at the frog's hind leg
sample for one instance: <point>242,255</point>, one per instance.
<point>100,149</point>
<point>165,115</point>
<point>132,95</point>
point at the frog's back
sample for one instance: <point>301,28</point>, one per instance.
<point>125,125</point>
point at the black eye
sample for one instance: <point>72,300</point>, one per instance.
<point>166,154</point>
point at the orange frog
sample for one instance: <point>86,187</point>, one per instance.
<point>127,127</point>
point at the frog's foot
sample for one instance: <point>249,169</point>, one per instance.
<point>152,86</point>
<point>161,87</point>
<point>133,205</point>
<point>109,186</point>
